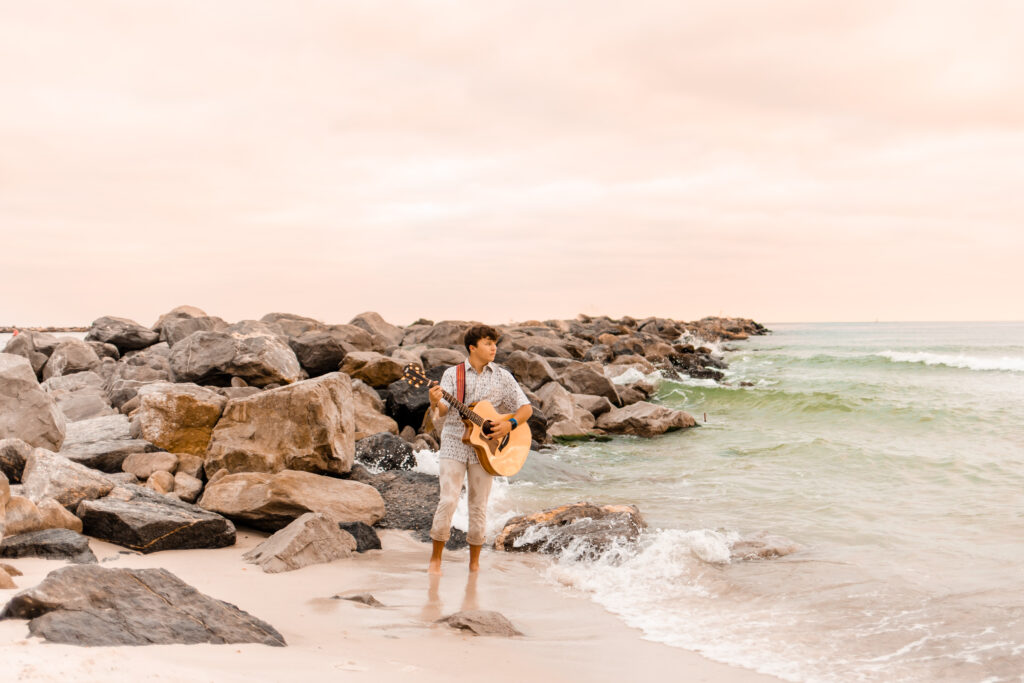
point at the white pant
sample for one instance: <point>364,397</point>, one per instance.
<point>451,476</point>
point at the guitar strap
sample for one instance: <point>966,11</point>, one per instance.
<point>460,383</point>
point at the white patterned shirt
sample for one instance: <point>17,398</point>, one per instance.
<point>494,384</point>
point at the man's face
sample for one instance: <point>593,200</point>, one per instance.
<point>484,350</point>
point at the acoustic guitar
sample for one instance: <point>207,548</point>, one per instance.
<point>501,458</point>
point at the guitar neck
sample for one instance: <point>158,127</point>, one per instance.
<point>463,410</point>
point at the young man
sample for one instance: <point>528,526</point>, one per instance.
<point>484,382</point>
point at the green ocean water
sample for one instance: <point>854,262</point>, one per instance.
<point>890,456</point>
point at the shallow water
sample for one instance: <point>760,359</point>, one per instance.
<point>890,455</point>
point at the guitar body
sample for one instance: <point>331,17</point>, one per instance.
<point>500,457</point>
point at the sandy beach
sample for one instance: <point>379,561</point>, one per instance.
<point>567,637</point>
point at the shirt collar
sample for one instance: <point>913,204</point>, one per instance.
<point>469,367</point>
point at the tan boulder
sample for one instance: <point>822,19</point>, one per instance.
<point>70,356</point>
<point>177,417</point>
<point>271,501</point>
<point>644,419</point>
<point>161,482</point>
<point>313,538</point>
<point>187,487</point>
<point>309,425</point>
<point>22,516</point>
<point>189,464</point>
<point>6,582</point>
<point>374,368</point>
<point>53,515</point>
<point>143,465</point>
<point>369,411</point>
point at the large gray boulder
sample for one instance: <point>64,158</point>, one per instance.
<point>125,334</point>
<point>433,358</point>
<point>585,378</point>
<point>177,417</point>
<point>26,411</point>
<point>138,518</point>
<point>176,329</point>
<point>212,357</point>
<point>70,356</point>
<point>307,426</point>
<point>24,345</point>
<point>644,419</point>
<point>409,497</point>
<point>95,606</point>
<point>378,327</point>
<point>448,334</point>
<point>292,325</point>
<point>321,351</point>
<point>136,369</point>
<point>565,416</point>
<point>80,396</point>
<point>48,475</point>
<point>313,538</point>
<point>103,443</point>
<point>271,501</point>
<point>532,370</point>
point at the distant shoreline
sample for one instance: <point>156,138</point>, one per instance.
<point>10,330</point>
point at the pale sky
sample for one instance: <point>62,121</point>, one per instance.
<point>499,161</point>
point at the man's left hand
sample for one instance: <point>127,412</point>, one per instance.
<point>499,429</point>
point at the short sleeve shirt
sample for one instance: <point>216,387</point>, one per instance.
<point>494,384</point>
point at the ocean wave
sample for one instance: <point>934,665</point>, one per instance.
<point>1003,363</point>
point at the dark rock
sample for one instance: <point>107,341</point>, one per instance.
<point>410,498</point>
<point>366,537</point>
<point>149,522</point>
<point>105,350</point>
<point>385,451</point>
<point>95,606</point>
<point>407,404</point>
<point>457,538</point>
<point>126,335</point>
<point>538,424</point>
<point>481,623</point>
<point>136,369</point>
<point>51,544</point>
<point>321,351</point>
<point>600,353</point>
<point>588,529</point>
<point>13,455</point>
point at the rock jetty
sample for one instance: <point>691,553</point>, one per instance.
<point>167,436</point>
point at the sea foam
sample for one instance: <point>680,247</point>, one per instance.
<point>1003,363</point>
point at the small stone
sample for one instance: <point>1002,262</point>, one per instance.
<point>161,482</point>
<point>363,598</point>
<point>481,623</point>
<point>143,465</point>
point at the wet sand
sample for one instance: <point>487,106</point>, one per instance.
<point>567,637</point>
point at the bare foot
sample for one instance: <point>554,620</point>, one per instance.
<point>474,566</point>
<point>434,568</point>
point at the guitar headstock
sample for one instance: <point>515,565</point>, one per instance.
<point>413,374</point>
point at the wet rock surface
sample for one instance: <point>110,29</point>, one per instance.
<point>587,528</point>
